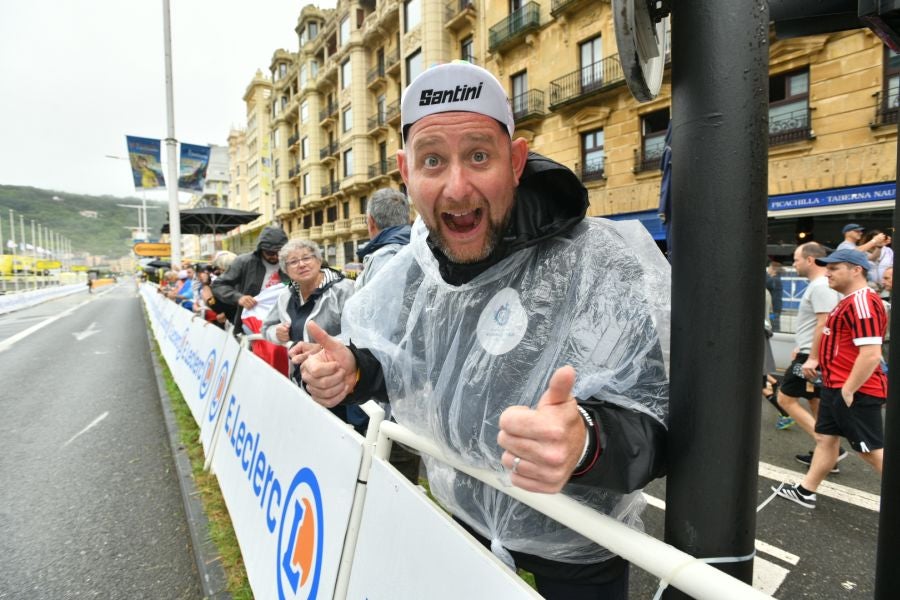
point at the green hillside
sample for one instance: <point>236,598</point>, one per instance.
<point>105,235</point>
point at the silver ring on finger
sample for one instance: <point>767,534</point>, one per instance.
<point>515,464</point>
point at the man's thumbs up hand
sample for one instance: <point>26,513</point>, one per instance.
<point>330,374</point>
<point>543,444</point>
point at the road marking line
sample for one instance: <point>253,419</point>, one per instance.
<point>93,423</point>
<point>8,343</point>
<point>826,488</point>
<point>80,335</point>
<point>782,555</point>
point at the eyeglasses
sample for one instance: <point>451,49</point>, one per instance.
<point>302,260</point>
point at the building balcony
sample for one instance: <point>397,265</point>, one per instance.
<point>293,140</point>
<point>392,112</point>
<point>789,127</point>
<point>594,170</point>
<point>376,122</point>
<point>646,161</point>
<point>388,12</point>
<point>327,230</point>
<point>459,13</point>
<point>382,168</point>
<point>560,7</point>
<point>315,233</point>
<point>294,172</point>
<point>528,106</point>
<point>327,113</point>
<point>342,226</point>
<point>328,151</point>
<point>508,31</point>
<point>375,76</point>
<point>330,189</point>
<point>887,104</point>
<point>358,224</point>
<point>586,82</point>
<point>392,62</point>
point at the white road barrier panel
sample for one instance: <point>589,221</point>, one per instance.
<point>11,302</point>
<point>217,392</point>
<point>288,470</point>
<point>408,549</point>
<point>674,567</point>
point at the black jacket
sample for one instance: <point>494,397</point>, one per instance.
<point>245,275</point>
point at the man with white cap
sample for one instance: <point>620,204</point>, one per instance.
<point>854,388</point>
<point>515,333</point>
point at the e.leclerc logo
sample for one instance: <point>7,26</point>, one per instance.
<point>301,538</point>
<point>208,373</point>
<point>219,390</point>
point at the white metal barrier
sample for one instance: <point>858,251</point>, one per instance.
<point>11,302</point>
<point>295,481</point>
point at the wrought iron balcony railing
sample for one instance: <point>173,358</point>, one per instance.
<point>789,127</point>
<point>528,105</point>
<point>586,81</point>
<point>518,23</point>
<point>887,104</point>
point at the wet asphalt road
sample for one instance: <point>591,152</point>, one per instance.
<point>89,500</point>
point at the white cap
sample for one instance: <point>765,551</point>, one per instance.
<point>451,87</point>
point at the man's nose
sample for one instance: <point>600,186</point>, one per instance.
<point>458,185</point>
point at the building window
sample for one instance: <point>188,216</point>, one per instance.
<point>307,221</point>
<point>348,252</point>
<point>413,66</point>
<point>789,107</point>
<point>277,167</point>
<point>363,205</point>
<point>313,31</point>
<point>305,184</point>
<point>302,76</point>
<point>467,50</point>
<point>653,139</point>
<point>313,68</point>
<point>889,97</point>
<point>591,64</point>
<point>304,148</point>
<point>345,74</point>
<point>276,138</point>
<point>345,207</point>
<point>592,155</point>
<point>304,111</point>
<point>317,218</point>
<point>282,70</point>
<point>348,162</point>
<point>347,119</point>
<point>332,214</point>
<point>345,31</point>
<point>412,14</point>
<point>520,93</point>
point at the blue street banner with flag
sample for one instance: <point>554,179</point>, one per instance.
<point>192,167</point>
<point>143,154</point>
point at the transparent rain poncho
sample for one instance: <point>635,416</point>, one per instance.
<point>455,357</point>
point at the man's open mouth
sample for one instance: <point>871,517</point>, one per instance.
<point>462,222</point>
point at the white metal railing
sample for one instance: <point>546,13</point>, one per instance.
<point>674,567</point>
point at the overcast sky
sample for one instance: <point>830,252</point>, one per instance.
<point>79,75</point>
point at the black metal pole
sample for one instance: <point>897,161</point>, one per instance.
<point>887,575</point>
<point>720,82</point>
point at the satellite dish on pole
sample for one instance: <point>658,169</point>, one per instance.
<point>641,32</point>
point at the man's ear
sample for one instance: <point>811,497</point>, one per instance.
<point>519,155</point>
<point>403,166</point>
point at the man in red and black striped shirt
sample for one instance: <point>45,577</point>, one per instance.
<point>854,387</point>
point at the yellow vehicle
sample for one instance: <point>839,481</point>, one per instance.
<point>22,265</point>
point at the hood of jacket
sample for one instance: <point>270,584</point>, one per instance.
<point>398,234</point>
<point>550,200</point>
<point>271,239</point>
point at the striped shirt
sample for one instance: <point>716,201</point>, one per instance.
<point>858,320</point>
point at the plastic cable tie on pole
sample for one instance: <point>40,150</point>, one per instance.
<point>664,582</point>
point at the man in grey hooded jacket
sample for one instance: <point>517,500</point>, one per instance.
<point>249,273</point>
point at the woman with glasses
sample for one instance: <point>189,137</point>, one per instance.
<point>315,293</point>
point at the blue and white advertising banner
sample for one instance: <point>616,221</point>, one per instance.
<point>196,360</point>
<point>143,154</point>
<point>410,548</point>
<point>287,469</point>
<point>192,167</point>
<point>175,327</point>
<point>834,197</point>
<point>161,311</point>
<point>215,391</point>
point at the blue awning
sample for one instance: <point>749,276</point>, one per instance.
<point>648,218</point>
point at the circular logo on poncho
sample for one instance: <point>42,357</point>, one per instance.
<point>502,323</point>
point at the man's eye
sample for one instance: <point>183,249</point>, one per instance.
<point>479,157</point>
<point>431,161</point>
